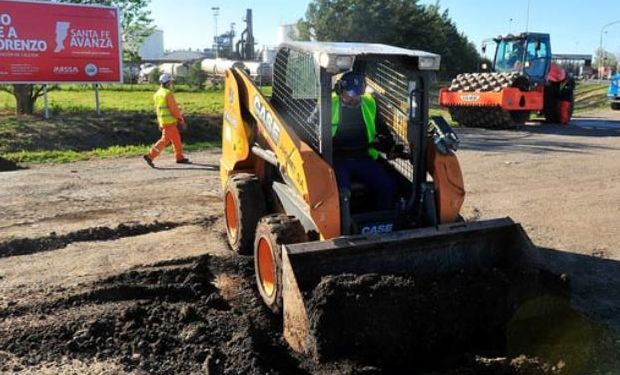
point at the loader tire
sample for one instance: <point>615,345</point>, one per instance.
<point>615,106</point>
<point>244,205</point>
<point>551,108</point>
<point>272,232</point>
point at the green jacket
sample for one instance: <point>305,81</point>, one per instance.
<point>369,113</point>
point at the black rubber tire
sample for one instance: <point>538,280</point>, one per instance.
<point>551,108</point>
<point>615,106</point>
<point>277,230</point>
<point>519,118</point>
<point>249,201</point>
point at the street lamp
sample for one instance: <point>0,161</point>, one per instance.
<point>509,25</point>
<point>601,40</point>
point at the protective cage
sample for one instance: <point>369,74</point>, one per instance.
<point>302,94</point>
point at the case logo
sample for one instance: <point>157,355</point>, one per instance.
<point>266,118</point>
<point>470,98</point>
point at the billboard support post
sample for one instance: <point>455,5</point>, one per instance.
<point>97,99</point>
<point>46,103</point>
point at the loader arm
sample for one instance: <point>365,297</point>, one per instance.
<point>310,181</point>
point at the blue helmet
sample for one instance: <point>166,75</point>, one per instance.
<point>352,84</point>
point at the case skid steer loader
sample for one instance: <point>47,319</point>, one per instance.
<point>281,197</point>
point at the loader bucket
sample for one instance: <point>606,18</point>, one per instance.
<point>414,294</point>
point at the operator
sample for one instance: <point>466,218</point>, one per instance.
<point>169,118</point>
<point>356,136</point>
<point>514,61</point>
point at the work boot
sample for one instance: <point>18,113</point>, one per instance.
<point>149,161</point>
<point>184,161</point>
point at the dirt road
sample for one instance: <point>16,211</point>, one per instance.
<point>67,227</point>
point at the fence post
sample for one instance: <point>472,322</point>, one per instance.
<point>45,100</point>
<point>97,99</point>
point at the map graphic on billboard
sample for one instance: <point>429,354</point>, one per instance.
<point>42,42</point>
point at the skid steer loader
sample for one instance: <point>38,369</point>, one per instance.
<point>282,203</point>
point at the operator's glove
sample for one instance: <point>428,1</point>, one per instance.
<point>397,151</point>
<point>383,143</point>
<point>391,149</point>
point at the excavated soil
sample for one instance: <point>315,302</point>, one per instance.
<point>167,318</point>
<point>53,241</point>
<point>202,315</point>
<point>7,165</point>
<point>399,323</point>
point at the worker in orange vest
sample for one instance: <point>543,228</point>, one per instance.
<point>170,119</point>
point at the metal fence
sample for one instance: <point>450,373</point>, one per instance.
<point>296,93</point>
<point>390,86</point>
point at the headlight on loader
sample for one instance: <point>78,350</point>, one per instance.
<point>429,62</point>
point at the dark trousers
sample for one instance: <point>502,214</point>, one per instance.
<point>370,173</point>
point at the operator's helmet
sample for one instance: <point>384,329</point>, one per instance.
<point>165,78</point>
<point>352,84</point>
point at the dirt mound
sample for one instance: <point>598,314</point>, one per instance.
<point>168,318</point>
<point>202,315</point>
<point>7,165</point>
<point>23,246</point>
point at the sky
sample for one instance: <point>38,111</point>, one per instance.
<point>574,25</point>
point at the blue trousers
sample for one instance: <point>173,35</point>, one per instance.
<point>369,173</point>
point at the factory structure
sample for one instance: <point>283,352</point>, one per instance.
<point>227,51</point>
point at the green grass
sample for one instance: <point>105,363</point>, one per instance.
<point>67,156</point>
<point>126,127</point>
<point>591,97</point>
<point>74,98</point>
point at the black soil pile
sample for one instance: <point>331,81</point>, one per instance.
<point>203,316</point>
<point>7,165</point>
<point>403,322</point>
<point>165,319</point>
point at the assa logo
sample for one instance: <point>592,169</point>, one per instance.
<point>66,70</point>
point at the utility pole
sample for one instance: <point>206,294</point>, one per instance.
<point>216,12</point>
<point>527,18</point>
<point>601,40</point>
<point>509,25</point>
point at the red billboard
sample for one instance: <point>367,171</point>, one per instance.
<point>42,42</point>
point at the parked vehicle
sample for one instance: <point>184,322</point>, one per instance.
<point>614,92</point>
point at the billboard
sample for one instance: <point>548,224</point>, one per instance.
<point>42,42</point>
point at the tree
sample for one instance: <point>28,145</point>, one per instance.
<point>25,96</point>
<point>136,26</point>
<point>402,23</point>
<point>196,77</point>
<point>605,59</point>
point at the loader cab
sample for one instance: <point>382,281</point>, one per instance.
<point>399,80</point>
<point>526,53</point>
